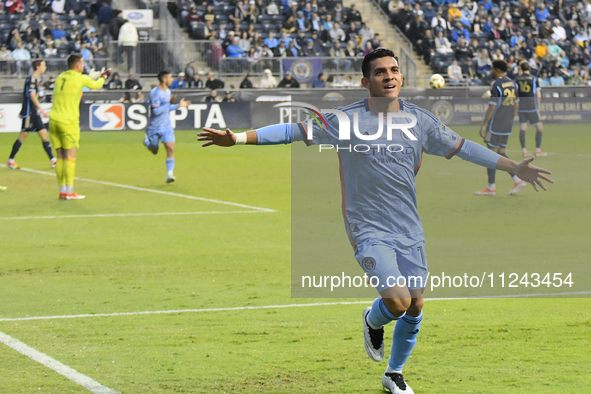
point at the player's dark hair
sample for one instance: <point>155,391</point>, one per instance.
<point>73,59</point>
<point>378,53</point>
<point>524,66</point>
<point>500,65</point>
<point>36,63</point>
<point>162,74</point>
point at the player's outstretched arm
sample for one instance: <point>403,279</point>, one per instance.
<point>478,154</point>
<point>269,135</point>
<point>525,171</point>
<point>97,79</point>
<point>227,137</point>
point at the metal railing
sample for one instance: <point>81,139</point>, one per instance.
<point>22,68</point>
<point>329,65</point>
<point>148,58</point>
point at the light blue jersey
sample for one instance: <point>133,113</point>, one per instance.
<point>378,165</point>
<point>378,180</point>
<point>160,127</point>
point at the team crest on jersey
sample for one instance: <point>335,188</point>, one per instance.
<point>107,116</point>
<point>406,137</point>
<point>368,263</point>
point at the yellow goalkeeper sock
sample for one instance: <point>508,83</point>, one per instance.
<point>70,167</point>
<point>59,171</point>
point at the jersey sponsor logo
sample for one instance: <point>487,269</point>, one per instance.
<point>107,116</point>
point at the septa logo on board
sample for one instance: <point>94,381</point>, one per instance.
<point>107,116</point>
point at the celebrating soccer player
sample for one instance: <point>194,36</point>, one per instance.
<point>498,122</point>
<point>379,191</point>
<point>64,120</point>
<point>32,115</point>
<point>160,128</point>
<point>530,96</point>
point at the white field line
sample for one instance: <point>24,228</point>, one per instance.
<point>143,189</point>
<point>242,308</point>
<point>58,367</point>
<point>110,215</point>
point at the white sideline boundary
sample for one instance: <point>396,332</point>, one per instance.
<point>143,189</point>
<point>55,365</point>
<point>110,215</point>
<point>243,308</point>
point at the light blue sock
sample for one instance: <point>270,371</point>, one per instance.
<point>170,165</point>
<point>379,315</point>
<point>147,143</point>
<point>405,337</point>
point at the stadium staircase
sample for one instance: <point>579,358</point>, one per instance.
<point>391,38</point>
<point>188,52</point>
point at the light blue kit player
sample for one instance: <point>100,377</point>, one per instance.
<point>379,196</point>
<point>160,128</point>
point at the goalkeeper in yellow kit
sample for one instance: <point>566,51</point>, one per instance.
<point>64,120</point>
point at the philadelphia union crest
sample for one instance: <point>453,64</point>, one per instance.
<point>302,70</point>
<point>443,110</point>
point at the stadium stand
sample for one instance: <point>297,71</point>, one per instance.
<point>553,36</point>
<point>251,36</point>
<point>248,37</point>
<point>52,30</point>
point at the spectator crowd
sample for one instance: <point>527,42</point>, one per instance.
<point>461,39</point>
<point>53,29</point>
<point>251,34</point>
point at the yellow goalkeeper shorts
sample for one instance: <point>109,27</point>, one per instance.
<point>64,136</point>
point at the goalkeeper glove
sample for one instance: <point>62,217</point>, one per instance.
<point>94,75</point>
<point>106,73</point>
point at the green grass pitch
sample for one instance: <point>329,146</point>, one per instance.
<point>201,260</point>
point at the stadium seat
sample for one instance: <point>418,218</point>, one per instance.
<point>222,19</point>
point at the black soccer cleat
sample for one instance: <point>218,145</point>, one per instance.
<point>374,339</point>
